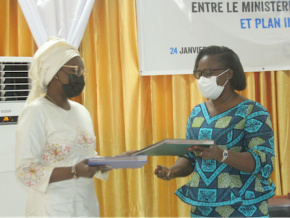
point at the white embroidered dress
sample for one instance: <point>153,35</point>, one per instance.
<point>48,137</point>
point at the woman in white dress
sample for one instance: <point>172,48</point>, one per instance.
<point>55,137</point>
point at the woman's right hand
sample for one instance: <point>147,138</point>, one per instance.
<point>163,172</point>
<point>84,170</point>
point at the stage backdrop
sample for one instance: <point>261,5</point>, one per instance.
<point>172,32</point>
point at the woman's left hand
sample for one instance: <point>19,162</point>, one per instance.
<point>208,152</point>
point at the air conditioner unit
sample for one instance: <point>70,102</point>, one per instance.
<point>14,88</point>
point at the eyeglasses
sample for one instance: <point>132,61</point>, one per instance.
<point>206,73</point>
<point>78,71</point>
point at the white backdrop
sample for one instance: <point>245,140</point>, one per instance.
<point>171,32</point>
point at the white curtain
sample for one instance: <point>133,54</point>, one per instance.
<point>65,19</point>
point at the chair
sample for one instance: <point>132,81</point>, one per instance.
<point>279,206</point>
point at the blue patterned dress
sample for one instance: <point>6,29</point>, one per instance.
<point>216,189</point>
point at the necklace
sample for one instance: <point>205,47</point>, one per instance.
<point>50,99</point>
<point>224,103</point>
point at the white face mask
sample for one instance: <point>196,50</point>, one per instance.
<point>209,88</point>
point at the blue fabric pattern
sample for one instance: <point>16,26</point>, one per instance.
<point>245,127</point>
<point>236,210</point>
<point>208,165</point>
<point>247,210</point>
<point>205,211</point>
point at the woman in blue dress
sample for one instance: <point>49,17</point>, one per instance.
<point>231,178</point>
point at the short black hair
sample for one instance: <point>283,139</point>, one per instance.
<point>230,60</point>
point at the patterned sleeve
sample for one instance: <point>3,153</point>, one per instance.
<point>85,113</point>
<point>259,139</point>
<point>189,156</point>
<point>30,140</point>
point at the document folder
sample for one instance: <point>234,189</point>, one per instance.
<point>119,162</point>
<point>172,147</point>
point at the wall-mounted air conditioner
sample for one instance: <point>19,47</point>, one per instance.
<point>14,80</point>
<point>14,88</point>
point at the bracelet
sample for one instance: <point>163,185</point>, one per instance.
<point>225,155</point>
<point>74,172</point>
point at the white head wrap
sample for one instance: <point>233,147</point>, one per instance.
<point>46,62</point>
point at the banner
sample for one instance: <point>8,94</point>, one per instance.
<point>172,32</point>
